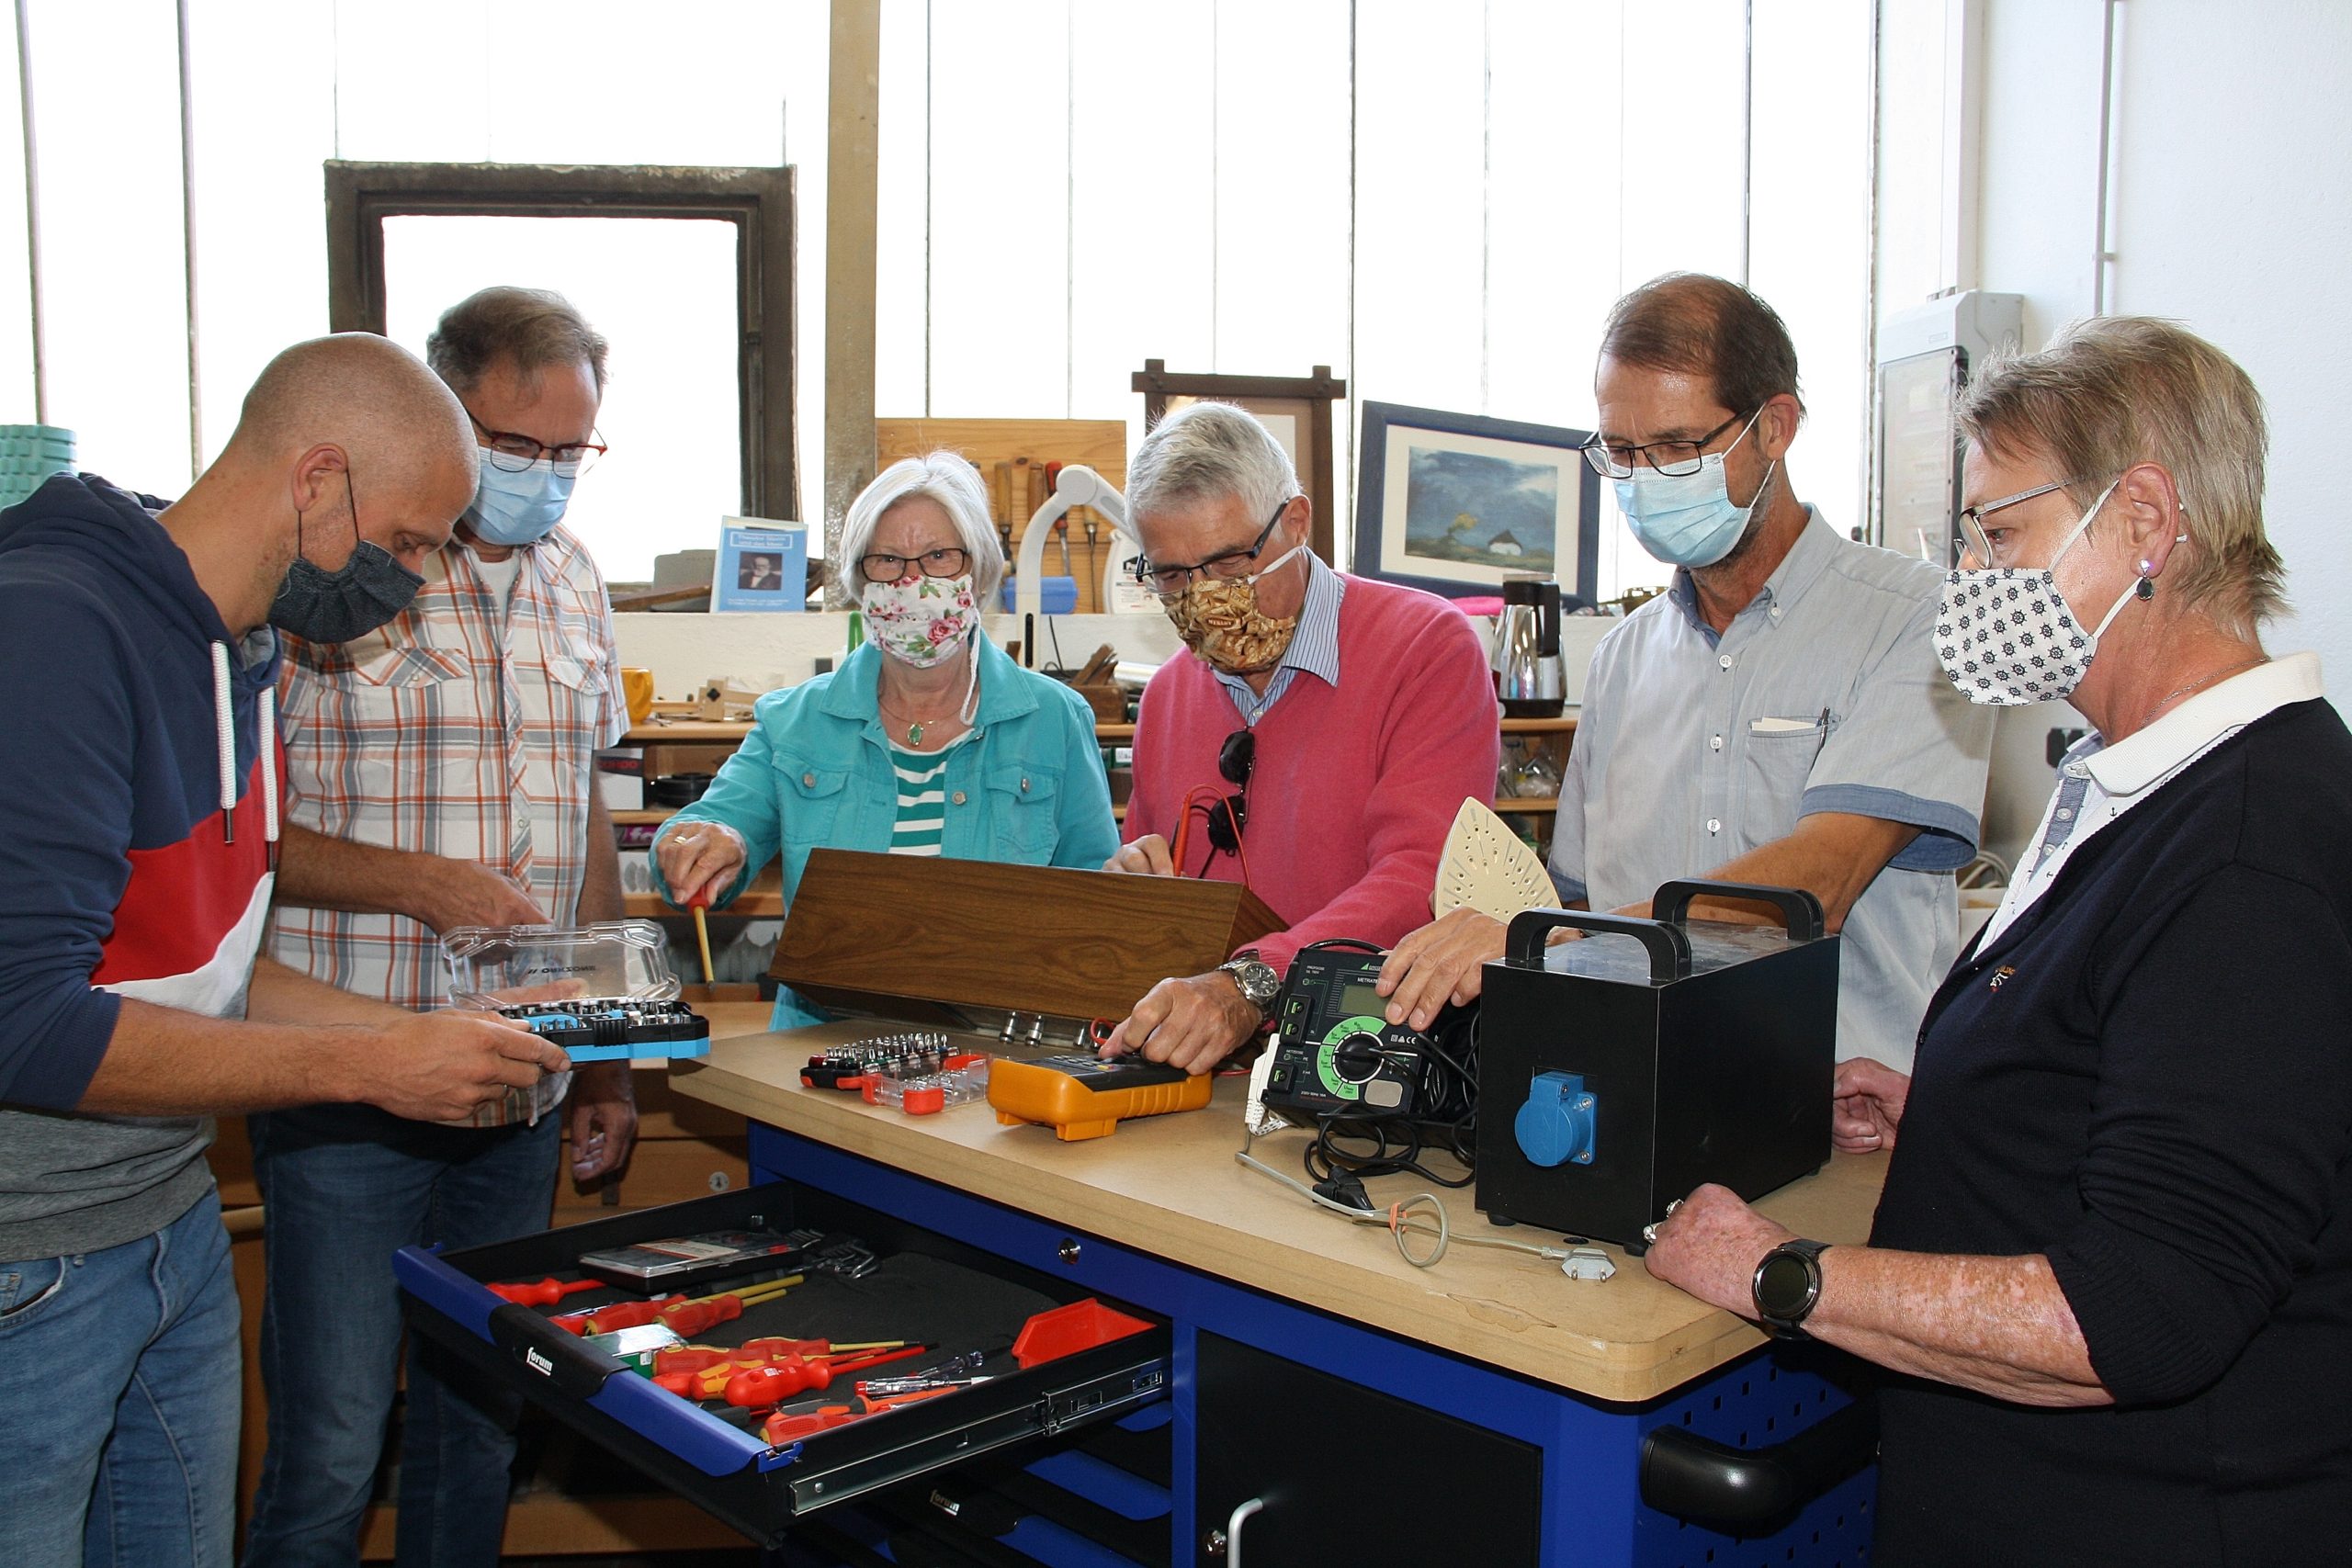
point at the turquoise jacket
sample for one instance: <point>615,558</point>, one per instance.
<point>1027,787</point>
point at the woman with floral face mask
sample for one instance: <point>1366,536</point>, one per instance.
<point>928,740</point>
<point>2114,1250</point>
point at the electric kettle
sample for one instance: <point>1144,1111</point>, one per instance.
<point>1529,674</point>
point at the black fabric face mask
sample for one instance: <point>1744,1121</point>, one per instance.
<point>366,592</point>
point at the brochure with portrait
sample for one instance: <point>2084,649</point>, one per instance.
<point>762,565</point>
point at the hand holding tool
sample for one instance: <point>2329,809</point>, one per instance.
<point>698,904</point>
<point>544,1293</point>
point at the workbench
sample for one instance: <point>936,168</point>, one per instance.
<point>1486,1410</point>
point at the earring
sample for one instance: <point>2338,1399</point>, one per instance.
<point>2146,587</point>
<point>2147,569</point>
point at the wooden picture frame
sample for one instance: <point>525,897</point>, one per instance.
<point>1298,405</point>
<point>1456,503</point>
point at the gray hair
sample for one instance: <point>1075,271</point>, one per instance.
<point>2117,390</point>
<point>954,484</point>
<point>534,327</point>
<point>1206,452</point>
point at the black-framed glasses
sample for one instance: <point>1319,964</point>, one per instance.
<point>1976,540</point>
<point>1229,813</point>
<point>1674,458</point>
<point>883,567</point>
<point>1168,581</point>
<point>514,451</point>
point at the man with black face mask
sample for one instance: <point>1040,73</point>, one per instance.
<point>142,822</point>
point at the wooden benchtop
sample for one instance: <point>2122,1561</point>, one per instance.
<point>1169,1186</point>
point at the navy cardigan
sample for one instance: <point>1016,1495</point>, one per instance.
<point>2148,1078</point>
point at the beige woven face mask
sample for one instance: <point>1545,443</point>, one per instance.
<point>1219,619</point>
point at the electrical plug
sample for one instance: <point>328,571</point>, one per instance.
<point>1344,1187</point>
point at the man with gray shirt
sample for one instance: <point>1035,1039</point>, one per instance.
<point>134,875</point>
<point>1778,715</point>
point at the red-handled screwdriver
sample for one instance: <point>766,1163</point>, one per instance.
<point>544,1293</point>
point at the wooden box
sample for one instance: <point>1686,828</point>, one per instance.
<point>922,939</point>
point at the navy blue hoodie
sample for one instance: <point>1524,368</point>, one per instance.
<point>135,856</point>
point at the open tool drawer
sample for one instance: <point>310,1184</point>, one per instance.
<point>927,1289</point>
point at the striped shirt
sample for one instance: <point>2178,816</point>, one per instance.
<point>469,727</point>
<point>922,798</point>
<point>1314,646</point>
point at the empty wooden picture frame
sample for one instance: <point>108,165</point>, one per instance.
<point>1297,408</point>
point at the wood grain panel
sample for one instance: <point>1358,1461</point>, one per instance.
<point>1026,938</point>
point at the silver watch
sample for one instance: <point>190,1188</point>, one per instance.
<point>1256,980</point>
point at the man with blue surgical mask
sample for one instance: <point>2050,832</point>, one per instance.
<point>440,773</point>
<point>1778,715</point>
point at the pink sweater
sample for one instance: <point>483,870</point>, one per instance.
<point>1354,785</point>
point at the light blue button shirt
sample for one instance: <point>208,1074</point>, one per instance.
<point>1823,694</point>
<point>1314,647</point>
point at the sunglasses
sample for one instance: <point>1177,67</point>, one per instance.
<point>1229,813</point>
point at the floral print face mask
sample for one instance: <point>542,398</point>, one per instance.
<point>922,622</point>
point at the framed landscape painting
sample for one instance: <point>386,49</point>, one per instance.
<point>1455,502</point>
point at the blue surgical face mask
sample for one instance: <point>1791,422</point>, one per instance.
<point>1689,519</point>
<point>366,592</point>
<point>518,507</point>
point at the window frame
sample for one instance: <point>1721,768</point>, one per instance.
<point>760,203</point>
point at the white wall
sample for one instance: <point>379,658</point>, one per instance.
<point>2227,213</point>
<point>2228,164</point>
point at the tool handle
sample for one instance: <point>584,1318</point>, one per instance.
<point>1800,910</point>
<point>1669,950</point>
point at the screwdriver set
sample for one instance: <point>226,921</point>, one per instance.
<point>608,1029</point>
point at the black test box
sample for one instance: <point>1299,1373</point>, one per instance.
<point>1614,1077</point>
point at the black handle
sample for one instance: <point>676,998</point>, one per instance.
<point>570,1363</point>
<point>1752,1491</point>
<point>1800,910</point>
<point>1547,639</point>
<point>1669,950</point>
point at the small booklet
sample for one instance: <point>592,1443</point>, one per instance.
<point>762,565</point>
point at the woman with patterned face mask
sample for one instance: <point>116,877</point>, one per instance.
<point>928,740</point>
<point>2114,1250</point>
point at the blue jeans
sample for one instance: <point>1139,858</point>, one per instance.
<point>119,1371</point>
<point>343,1188</point>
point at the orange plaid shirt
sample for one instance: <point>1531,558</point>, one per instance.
<point>466,728</point>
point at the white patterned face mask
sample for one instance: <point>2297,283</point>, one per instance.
<point>2005,636</point>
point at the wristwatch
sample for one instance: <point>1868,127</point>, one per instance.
<point>1787,1284</point>
<point>1256,980</point>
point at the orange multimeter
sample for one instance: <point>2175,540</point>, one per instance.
<point>1081,1096</point>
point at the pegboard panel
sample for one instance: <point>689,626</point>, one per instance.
<point>1755,1404</point>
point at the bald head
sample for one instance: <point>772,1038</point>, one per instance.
<point>342,438</point>
<point>403,429</point>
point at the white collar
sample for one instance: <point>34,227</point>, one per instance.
<point>2133,765</point>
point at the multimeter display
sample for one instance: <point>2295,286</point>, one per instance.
<point>1364,1001</point>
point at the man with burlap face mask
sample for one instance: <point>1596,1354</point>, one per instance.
<point>1252,764</point>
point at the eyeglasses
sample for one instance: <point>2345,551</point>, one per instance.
<point>1168,581</point>
<point>1674,458</point>
<point>880,567</point>
<point>513,451</point>
<point>1976,540</point>
<point>1229,813</point>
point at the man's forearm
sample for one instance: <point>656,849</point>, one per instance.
<point>162,1062</point>
<point>1999,1325</point>
<point>600,888</point>
<point>343,873</point>
<point>279,994</point>
<point>1833,855</point>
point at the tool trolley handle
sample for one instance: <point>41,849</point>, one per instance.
<point>1800,910</point>
<point>1669,950</point>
